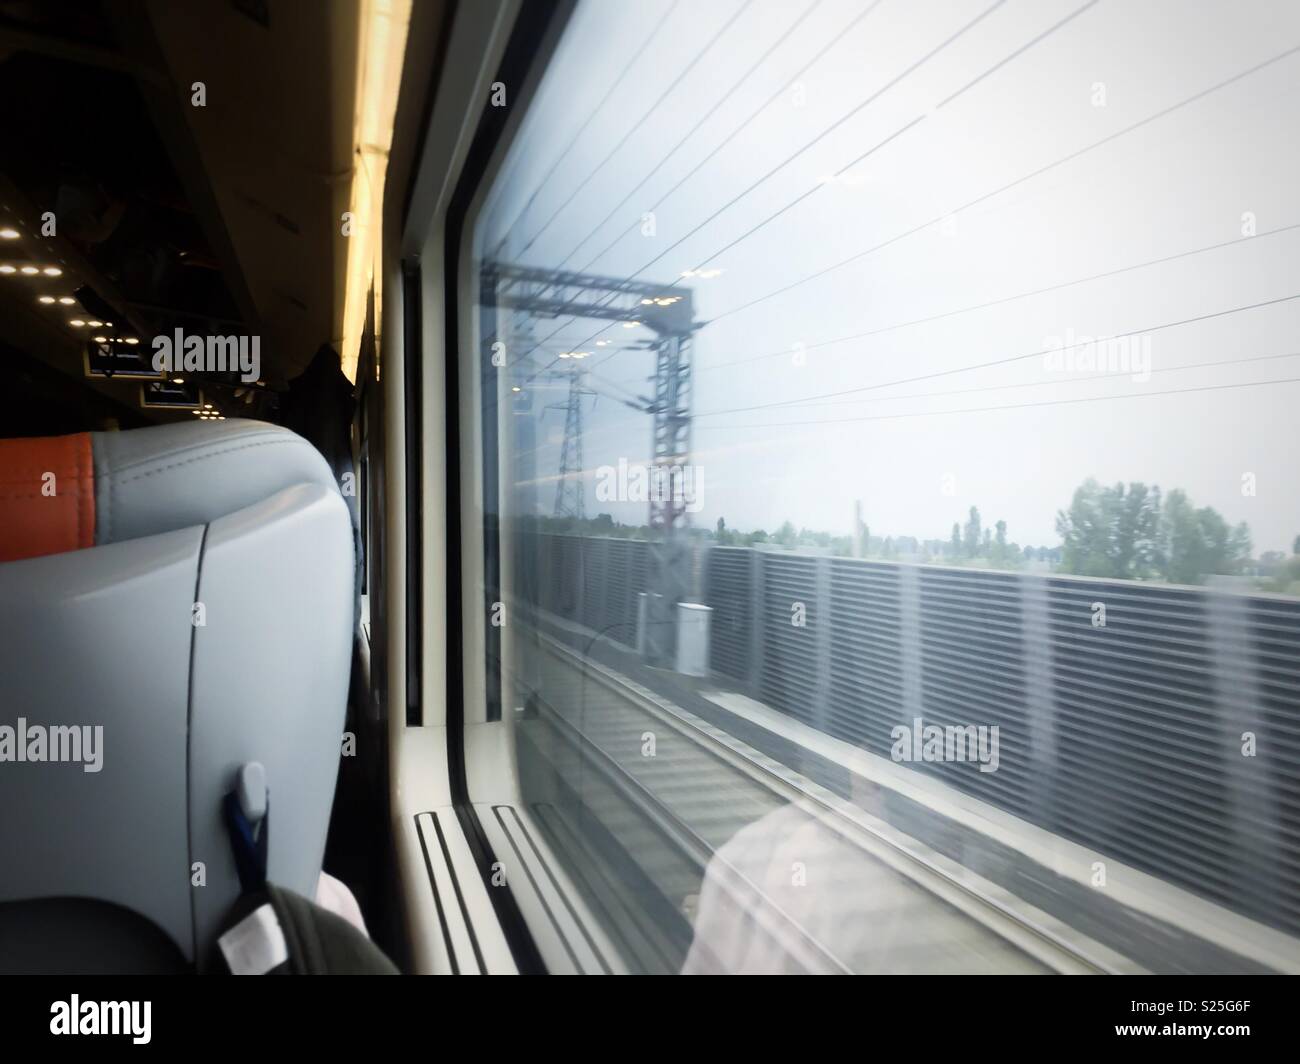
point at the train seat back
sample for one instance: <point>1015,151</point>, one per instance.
<point>176,602</point>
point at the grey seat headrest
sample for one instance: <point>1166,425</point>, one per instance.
<point>168,477</point>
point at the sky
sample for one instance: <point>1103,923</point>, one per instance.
<point>897,195</point>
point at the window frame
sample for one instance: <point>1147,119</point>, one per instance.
<point>481,751</point>
<point>447,753</point>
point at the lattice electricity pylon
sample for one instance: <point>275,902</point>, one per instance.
<point>667,310</point>
<point>569,500</point>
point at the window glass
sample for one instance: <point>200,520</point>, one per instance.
<point>892,521</point>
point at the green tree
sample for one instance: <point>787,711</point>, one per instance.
<point>1199,543</point>
<point>955,545</point>
<point>1111,531</point>
<point>1000,542</point>
<point>1240,546</point>
<point>972,536</point>
<point>1181,535</point>
<point>786,535</point>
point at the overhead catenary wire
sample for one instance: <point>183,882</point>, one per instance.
<point>1004,188</point>
<point>997,361</point>
<point>1214,364</point>
<point>605,98</point>
<point>781,39</point>
<point>901,130</point>
<point>835,39</point>
<point>1010,185</point>
<point>808,145</point>
<point>713,366</point>
<point>633,126</point>
<point>943,394</point>
<point>1014,406</point>
<point>1039,38</point>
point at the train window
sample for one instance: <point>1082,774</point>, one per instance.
<point>892,527</point>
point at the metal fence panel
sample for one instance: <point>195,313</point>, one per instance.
<point>727,590</point>
<point>866,669</point>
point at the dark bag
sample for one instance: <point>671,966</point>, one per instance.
<point>274,931</point>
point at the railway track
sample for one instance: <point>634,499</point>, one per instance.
<point>713,857</point>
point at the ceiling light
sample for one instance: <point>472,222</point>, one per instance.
<point>516,388</point>
<point>7,269</point>
<point>8,234</point>
<point>132,340</point>
<point>101,339</point>
<point>646,302</point>
<point>76,323</point>
<point>602,343</point>
<point>52,271</point>
<point>564,354</point>
<point>67,301</point>
<point>46,299</point>
<point>178,380</point>
<point>631,324</point>
<point>29,270</point>
<point>96,324</point>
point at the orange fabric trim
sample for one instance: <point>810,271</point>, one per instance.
<point>40,514</point>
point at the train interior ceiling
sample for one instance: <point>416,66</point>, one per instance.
<point>171,216</point>
<point>315,441</point>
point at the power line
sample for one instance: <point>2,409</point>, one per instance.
<point>1004,299</point>
<point>605,98</point>
<point>835,39</point>
<point>1015,406</point>
<point>827,47</point>
<point>914,122</point>
<point>781,39</point>
<point>1006,387</point>
<point>903,129</point>
<point>1004,188</point>
<point>996,362</point>
<point>632,126</point>
<point>852,112</point>
<point>1048,384</point>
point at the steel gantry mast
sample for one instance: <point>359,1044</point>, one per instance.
<point>569,495</point>
<point>668,311</point>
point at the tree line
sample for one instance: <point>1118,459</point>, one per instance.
<point>1121,531</point>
